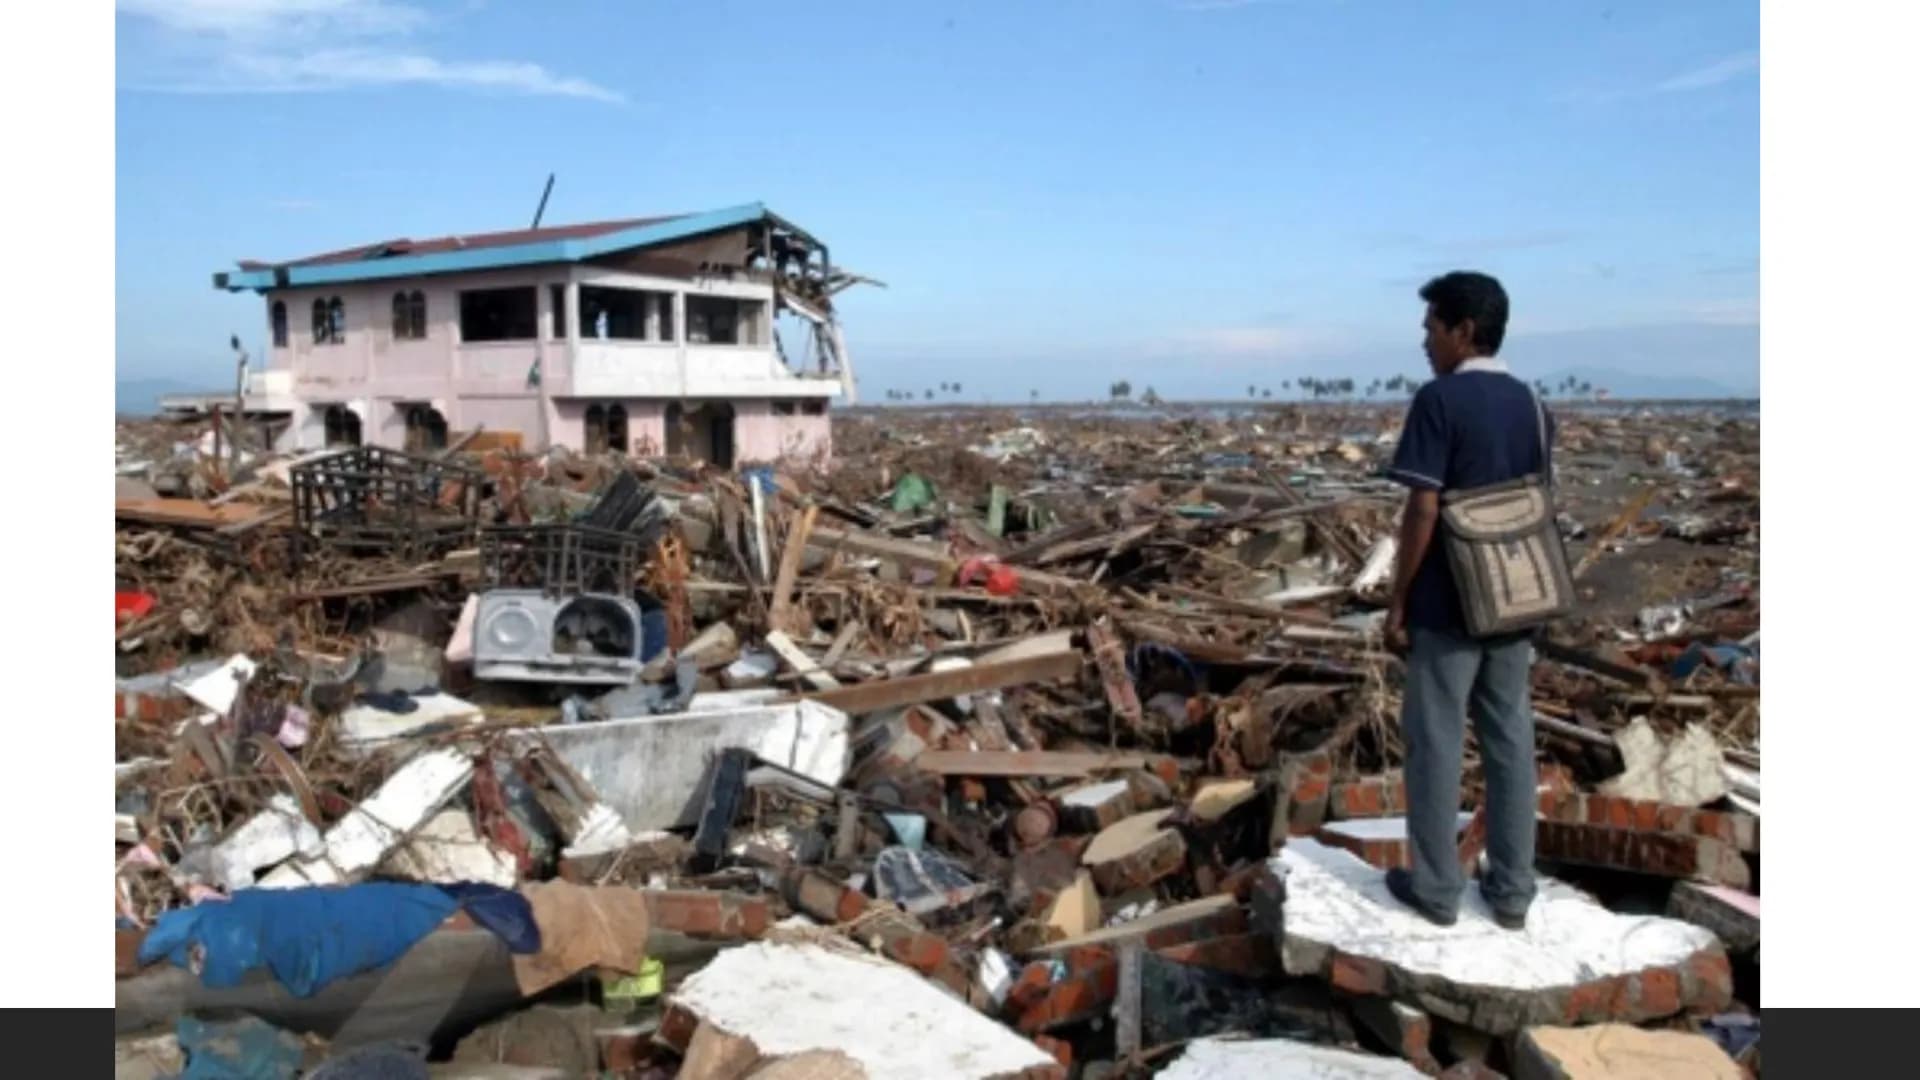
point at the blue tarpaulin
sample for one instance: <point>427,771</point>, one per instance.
<point>310,937</point>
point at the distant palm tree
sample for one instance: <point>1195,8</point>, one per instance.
<point>929,395</point>
<point>1267,393</point>
<point>1035,394</point>
<point>1252,391</point>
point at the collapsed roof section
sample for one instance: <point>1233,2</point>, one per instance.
<point>746,238</point>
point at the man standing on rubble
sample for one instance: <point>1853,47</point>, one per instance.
<point>1474,424</point>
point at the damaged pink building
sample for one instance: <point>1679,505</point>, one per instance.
<point>643,336</point>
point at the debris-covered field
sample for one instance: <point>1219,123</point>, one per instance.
<point>1044,742</point>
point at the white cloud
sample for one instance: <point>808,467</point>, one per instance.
<point>1720,71</point>
<point>244,18</point>
<point>242,46</point>
<point>338,69</point>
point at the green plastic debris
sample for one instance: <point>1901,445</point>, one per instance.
<point>913,492</point>
<point>997,511</point>
<point>630,991</point>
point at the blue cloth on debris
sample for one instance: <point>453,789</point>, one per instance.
<point>308,937</point>
<point>502,911</point>
<point>1737,661</point>
<point>244,1049</point>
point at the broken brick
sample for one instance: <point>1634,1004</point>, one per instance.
<point>1134,853</point>
<point>1250,956</point>
<point>1407,1031</point>
<point>731,916</point>
<point>1672,855</point>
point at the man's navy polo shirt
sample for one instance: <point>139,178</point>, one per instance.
<point>1473,427</point>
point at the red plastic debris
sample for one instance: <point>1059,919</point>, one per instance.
<point>128,606</point>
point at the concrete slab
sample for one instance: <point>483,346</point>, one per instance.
<point>652,770</point>
<point>1732,914</point>
<point>448,849</point>
<point>217,689</point>
<point>1381,842</point>
<point>1575,962</point>
<point>358,841</point>
<point>794,998</point>
<point>1261,1059</point>
<point>365,727</point>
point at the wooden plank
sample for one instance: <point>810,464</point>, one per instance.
<point>906,552</point>
<point>368,588</point>
<point>240,528</point>
<point>939,686</point>
<point>782,612</point>
<point>1035,763</point>
<point>1111,543</point>
<point>1126,1011</point>
<point>792,656</point>
<point>1039,645</point>
<point>1614,528</point>
<point>1567,654</point>
<point>188,513</point>
<point>1242,607</point>
<point>840,643</point>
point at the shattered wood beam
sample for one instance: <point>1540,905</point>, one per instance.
<point>907,552</point>
<point>1207,652</point>
<point>1613,530</point>
<point>1567,654</point>
<point>1107,655</point>
<point>1110,543</point>
<point>1025,763</point>
<point>796,546</point>
<point>1027,552</point>
<point>1244,607</point>
<point>802,664</point>
<point>841,642</point>
<point>941,685</point>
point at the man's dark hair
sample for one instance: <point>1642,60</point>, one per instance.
<point>1464,295</point>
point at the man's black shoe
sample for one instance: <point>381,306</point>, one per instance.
<point>1506,920</point>
<point>1400,884</point>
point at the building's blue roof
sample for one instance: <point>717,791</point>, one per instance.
<point>563,248</point>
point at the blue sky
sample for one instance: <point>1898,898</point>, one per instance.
<point>1194,195</point>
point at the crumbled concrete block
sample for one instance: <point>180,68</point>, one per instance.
<point>1382,842</point>
<point>1684,771</point>
<point>1406,1030</point>
<point>1369,797</point>
<point>1218,798</point>
<point>1575,962</point>
<point>1261,1059</point>
<point>448,849</point>
<point>1732,914</point>
<point>1134,853</point>
<point>1090,808</point>
<point>797,998</point>
<point>358,841</point>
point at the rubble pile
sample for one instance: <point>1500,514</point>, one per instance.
<point>1043,743</point>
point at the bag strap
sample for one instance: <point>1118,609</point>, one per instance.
<point>1546,451</point>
